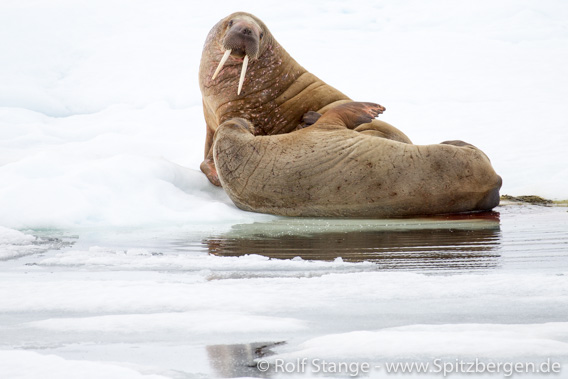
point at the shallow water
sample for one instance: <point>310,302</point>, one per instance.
<point>514,237</point>
<point>415,244</point>
<point>198,302</point>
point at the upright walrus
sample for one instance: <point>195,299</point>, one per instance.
<point>244,72</point>
<point>329,169</point>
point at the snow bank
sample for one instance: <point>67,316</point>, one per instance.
<point>180,322</point>
<point>104,170</point>
<point>483,341</point>
<point>357,292</point>
<point>26,364</point>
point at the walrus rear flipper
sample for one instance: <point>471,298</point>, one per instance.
<point>351,115</point>
<point>208,168</point>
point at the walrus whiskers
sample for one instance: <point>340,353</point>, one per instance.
<point>223,60</point>
<point>243,72</point>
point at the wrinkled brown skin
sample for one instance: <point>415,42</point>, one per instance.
<point>328,169</point>
<point>277,91</point>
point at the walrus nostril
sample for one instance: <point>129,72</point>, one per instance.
<point>246,31</point>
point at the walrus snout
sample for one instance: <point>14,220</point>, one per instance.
<point>243,39</point>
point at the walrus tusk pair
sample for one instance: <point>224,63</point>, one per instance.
<point>243,70</point>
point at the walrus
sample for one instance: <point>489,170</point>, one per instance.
<point>331,169</point>
<point>244,72</point>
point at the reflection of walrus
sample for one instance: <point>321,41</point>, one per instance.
<point>329,169</point>
<point>245,73</point>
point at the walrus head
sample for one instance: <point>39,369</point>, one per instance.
<point>241,37</point>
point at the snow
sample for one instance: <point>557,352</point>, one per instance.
<point>23,364</point>
<point>100,107</point>
<point>484,341</point>
<point>14,243</point>
<point>109,231</point>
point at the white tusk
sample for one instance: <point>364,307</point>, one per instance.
<point>243,71</point>
<point>223,60</point>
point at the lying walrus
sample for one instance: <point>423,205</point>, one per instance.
<point>247,79</point>
<point>245,73</point>
<point>329,169</point>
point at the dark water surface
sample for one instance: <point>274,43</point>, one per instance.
<point>468,245</point>
<point>513,236</point>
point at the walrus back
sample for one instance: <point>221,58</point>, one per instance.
<point>343,173</point>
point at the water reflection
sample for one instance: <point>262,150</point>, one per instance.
<point>450,242</point>
<point>235,361</point>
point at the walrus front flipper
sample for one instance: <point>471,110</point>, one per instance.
<point>351,115</point>
<point>310,118</point>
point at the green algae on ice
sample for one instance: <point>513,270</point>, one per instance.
<point>530,199</point>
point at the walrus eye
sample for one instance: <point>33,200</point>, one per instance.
<point>230,23</point>
<point>261,35</point>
